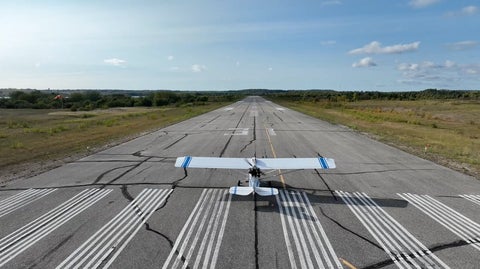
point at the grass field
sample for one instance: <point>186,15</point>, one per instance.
<point>34,135</point>
<point>447,132</point>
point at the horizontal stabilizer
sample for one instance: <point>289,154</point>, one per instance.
<point>244,191</point>
<point>264,191</point>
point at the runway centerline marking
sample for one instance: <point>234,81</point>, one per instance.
<point>275,156</point>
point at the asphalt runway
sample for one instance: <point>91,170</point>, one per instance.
<point>129,207</point>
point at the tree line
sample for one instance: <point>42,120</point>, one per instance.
<point>91,99</point>
<point>94,99</point>
<point>352,96</point>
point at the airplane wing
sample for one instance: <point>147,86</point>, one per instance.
<point>296,163</point>
<point>262,163</point>
<point>212,162</point>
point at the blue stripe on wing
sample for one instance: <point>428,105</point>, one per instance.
<point>323,162</point>
<point>186,161</point>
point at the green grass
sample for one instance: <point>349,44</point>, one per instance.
<point>28,135</point>
<point>443,131</point>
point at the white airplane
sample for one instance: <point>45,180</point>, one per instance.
<point>254,167</point>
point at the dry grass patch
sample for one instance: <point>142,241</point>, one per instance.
<point>448,130</point>
<point>28,135</point>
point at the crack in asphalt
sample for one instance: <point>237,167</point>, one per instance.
<point>350,231</point>
<point>275,114</point>
<point>100,177</point>
<point>126,172</point>
<point>254,138</point>
<point>454,244</point>
<point>230,138</point>
<point>326,184</point>
<point>125,193</point>
<point>170,242</point>
<point>51,251</point>
<point>175,142</point>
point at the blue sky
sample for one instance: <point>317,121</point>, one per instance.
<point>229,45</point>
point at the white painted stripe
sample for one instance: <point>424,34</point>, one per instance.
<point>402,247</point>
<point>332,254</point>
<point>271,131</point>
<point>18,241</point>
<point>237,131</point>
<point>199,241</point>
<point>291,256</point>
<point>304,250</point>
<point>415,246</point>
<point>458,224</point>
<point>21,199</point>
<point>301,224</point>
<point>372,229</point>
<point>185,227</point>
<point>472,198</point>
<point>280,108</point>
<point>199,231</point>
<point>220,235</point>
<point>108,242</point>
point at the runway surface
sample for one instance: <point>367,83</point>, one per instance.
<point>129,207</point>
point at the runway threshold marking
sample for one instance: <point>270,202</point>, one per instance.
<point>21,199</point>
<point>199,241</point>
<point>311,247</point>
<point>457,223</point>
<point>102,248</point>
<point>405,250</point>
<point>18,241</point>
<point>275,156</point>
<point>472,198</point>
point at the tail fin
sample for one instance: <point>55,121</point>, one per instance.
<point>241,190</point>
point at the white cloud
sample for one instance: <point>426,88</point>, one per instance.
<point>422,3</point>
<point>365,62</point>
<point>470,10</point>
<point>197,68</point>
<point>170,58</point>
<point>375,47</point>
<point>115,62</point>
<point>270,69</point>
<point>328,43</point>
<point>430,72</point>
<point>466,11</point>
<point>331,3</point>
<point>463,45</point>
<point>408,67</point>
<point>449,64</point>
